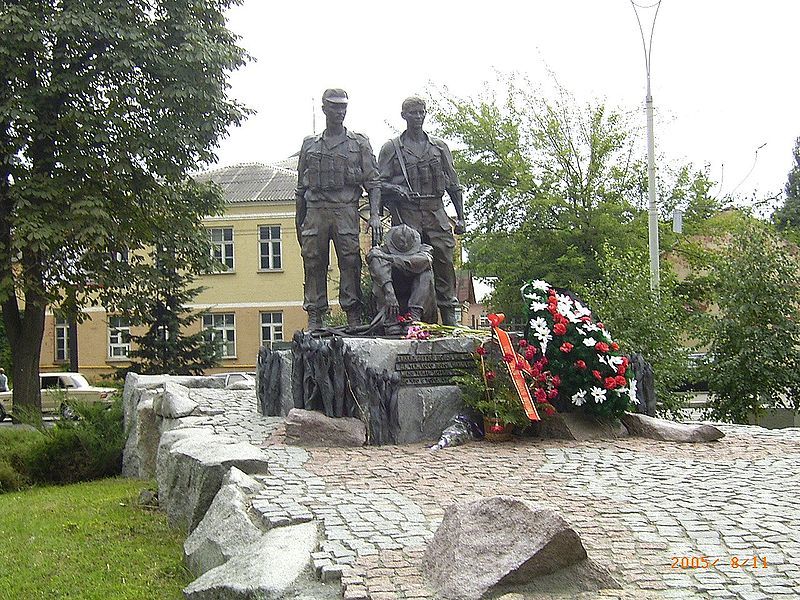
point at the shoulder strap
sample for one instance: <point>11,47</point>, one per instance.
<point>402,160</point>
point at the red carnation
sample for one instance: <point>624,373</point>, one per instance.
<point>601,347</point>
<point>621,381</point>
<point>535,372</point>
<point>621,369</point>
<point>580,364</point>
<point>541,395</point>
<point>523,343</point>
<point>566,347</point>
<point>586,318</point>
<point>530,353</point>
<point>542,362</point>
<point>614,346</point>
<point>552,394</point>
<point>548,408</point>
<point>519,365</point>
<point>559,329</point>
<point>610,383</point>
<point>490,375</point>
<point>556,380</point>
<point>481,351</point>
<point>508,358</point>
<point>601,326</point>
<point>597,375</point>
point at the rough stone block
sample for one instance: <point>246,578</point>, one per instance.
<point>267,568</point>
<point>669,431</point>
<point>424,412</point>
<point>310,429</point>
<point>226,527</point>
<point>176,401</point>
<point>190,467</point>
<point>497,541</point>
<point>579,427</point>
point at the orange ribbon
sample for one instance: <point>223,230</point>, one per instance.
<point>516,373</point>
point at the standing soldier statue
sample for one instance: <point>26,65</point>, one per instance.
<point>333,169</point>
<point>415,171</point>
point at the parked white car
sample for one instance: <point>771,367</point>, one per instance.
<point>58,390</point>
<point>237,380</point>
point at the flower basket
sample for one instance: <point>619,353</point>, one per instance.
<point>496,431</point>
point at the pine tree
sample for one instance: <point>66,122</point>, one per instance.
<point>165,348</point>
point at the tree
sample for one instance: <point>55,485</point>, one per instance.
<point>105,107</point>
<point>755,350</point>
<point>165,347</point>
<point>644,321</point>
<point>549,183</point>
<point>787,217</point>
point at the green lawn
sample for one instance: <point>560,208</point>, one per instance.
<point>87,541</point>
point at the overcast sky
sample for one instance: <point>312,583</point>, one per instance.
<point>724,72</point>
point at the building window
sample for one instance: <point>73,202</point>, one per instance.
<point>483,321</point>
<point>271,328</point>
<point>221,329</point>
<point>222,245</point>
<point>119,337</point>
<point>62,340</point>
<point>269,243</point>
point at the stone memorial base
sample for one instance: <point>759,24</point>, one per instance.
<point>400,389</point>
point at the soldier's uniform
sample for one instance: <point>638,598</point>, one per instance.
<point>331,175</point>
<point>430,173</point>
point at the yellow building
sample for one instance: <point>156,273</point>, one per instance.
<point>257,299</point>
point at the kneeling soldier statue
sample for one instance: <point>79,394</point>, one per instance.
<point>402,278</point>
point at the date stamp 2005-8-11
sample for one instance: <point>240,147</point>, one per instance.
<point>707,562</point>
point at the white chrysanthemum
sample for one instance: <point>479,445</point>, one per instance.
<point>538,306</point>
<point>543,337</point>
<point>591,327</point>
<point>581,310</point>
<point>614,361</point>
<point>598,395</point>
<point>632,391</point>
<point>539,324</point>
<point>589,342</point>
<point>539,285</point>
<point>579,398</point>
<point>564,304</point>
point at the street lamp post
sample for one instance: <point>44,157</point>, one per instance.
<point>652,224</point>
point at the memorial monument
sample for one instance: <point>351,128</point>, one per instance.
<point>332,170</point>
<point>415,171</point>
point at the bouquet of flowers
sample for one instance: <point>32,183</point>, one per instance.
<point>592,374</point>
<point>489,389</point>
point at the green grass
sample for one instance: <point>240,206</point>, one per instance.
<point>87,541</point>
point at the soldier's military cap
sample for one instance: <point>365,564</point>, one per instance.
<point>335,95</point>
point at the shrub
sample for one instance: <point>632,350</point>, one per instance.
<point>81,450</point>
<point>14,447</point>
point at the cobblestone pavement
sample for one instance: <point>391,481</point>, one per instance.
<point>652,513</point>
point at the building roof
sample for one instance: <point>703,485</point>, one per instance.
<point>254,182</point>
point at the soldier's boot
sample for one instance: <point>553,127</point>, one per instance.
<point>353,317</point>
<point>415,312</point>
<point>448,315</point>
<point>315,318</point>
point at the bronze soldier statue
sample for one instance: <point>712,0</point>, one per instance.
<point>333,169</point>
<point>415,171</point>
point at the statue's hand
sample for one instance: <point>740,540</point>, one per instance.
<point>377,230</point>
<point>392,311</point>
<point>400,191</point>
<point>460,227</point>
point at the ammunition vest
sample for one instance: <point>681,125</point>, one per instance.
<point>334,168</point>
<point>426,174</point>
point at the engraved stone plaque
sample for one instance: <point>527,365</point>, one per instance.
<point>433,368</point>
